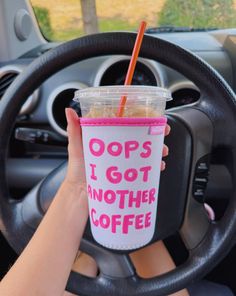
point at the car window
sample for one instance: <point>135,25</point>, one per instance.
<point>64,21</point>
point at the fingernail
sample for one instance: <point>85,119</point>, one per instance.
<point>71,115</point>
<point>163,165</point>
<point>167,130</point>
<point>74,114</point>
<point>167,150</point>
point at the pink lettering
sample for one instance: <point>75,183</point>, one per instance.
<point>115,221</point>
<point>130,146</point>
<point>104,221</point>
<point>134,201</point>
<point>97,195</point>
<point>122,194</point>
<point>100,149</point>
<point>117,146</point>
<point>146,146</point>
<point>145,196</point>
<point>109,196</point>
<point>93,176</point>
<point>128,221</point>
<point>147,222</point>
<point>112,175</point>
<point>145,171</point>
<point>93,212</point>
<point>123,198</point>
<point>139,221</point>
<point>131,175</point>
<point>152,193</point>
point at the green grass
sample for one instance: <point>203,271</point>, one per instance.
<point>67,34</point>
<point>105,25</point>
<point>198,13</point>
<point>43,18</point>
<point>115,24</point>
<point>195,13</point>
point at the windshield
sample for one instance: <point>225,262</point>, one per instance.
<point>63,20</point>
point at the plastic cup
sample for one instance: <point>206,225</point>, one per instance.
<point>122,161</point>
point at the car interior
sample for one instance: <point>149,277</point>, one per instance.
<point>38,79</point>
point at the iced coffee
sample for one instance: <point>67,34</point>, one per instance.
<point>122,161</point>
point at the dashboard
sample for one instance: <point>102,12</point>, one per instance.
<point>44,109</point>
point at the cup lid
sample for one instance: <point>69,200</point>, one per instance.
<point>118,91</point>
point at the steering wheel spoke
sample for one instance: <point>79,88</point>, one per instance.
<point>114,269</point>
<point>37,201</point>
<point>111,264</point>
<point>196,220</point>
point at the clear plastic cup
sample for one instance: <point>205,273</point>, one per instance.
<point>122,161</point>
<point>142,101</point>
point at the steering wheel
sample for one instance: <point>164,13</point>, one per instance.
<point>196,130</point>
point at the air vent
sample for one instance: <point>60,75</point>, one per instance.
<point>113,71</point>
<point>5,81</point>
<point>7,75</point>
<point>183,93</point>
<point>60,98</point>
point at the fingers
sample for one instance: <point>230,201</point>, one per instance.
<point>165,151</point>
<point>163,165</point>
<point>75,148</point>
<point>167,130</point>
<point>74,134</point>
<point>75,171</point>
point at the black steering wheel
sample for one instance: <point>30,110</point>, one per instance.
<point>196,130</point>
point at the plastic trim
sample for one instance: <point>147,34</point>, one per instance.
<point>33,99</point>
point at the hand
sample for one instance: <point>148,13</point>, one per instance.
<point>76,171</point>
<point>75,180</point>
<point>165,150</point>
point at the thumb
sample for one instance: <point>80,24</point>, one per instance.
<point>75,171</point>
